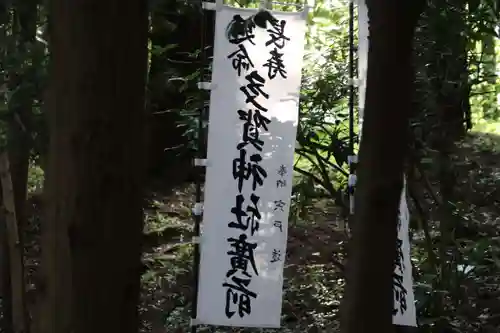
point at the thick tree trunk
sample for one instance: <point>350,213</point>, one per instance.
<point>369,295</point>
<point>95,170</point>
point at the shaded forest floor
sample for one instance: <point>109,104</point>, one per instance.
<point>313,278</point>
<point>313,273</point>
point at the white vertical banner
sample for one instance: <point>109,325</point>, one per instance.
<point>404,313</point>
<point>251,140</point>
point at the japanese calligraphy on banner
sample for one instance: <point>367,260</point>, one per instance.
<point>251,139</point>
<point>404,313</point>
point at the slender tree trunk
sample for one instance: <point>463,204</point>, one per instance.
<point>5,285</point>
<point>19,142</point>
<point>369,296</point>
<point>15,249</point>
<point>448,68</point>
<point>94,178</point>
<point>5,292</point>
<point>490,108</point>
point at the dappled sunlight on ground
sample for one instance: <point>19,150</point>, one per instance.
<point>489,127</point>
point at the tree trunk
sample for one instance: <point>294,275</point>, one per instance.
<point>490,105</point>
<point>5,285</point>
<point>19,126</point>
<point>448,69</point>
<point>94,218</point>
<point>5,292</point>
<point>19,142</point>
<point>15,248</point>
<point>369,296</point>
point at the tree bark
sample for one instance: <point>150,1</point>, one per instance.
<point>5,292</point>
<point>20,124</point>
<point>448,69</point>
<point>15,248</point>
<point>5,283</point>
<point>19,141</point>
<point>174,24</point>
<point>490,108</point>
<point>369,296</point>
<point>93,227</point>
